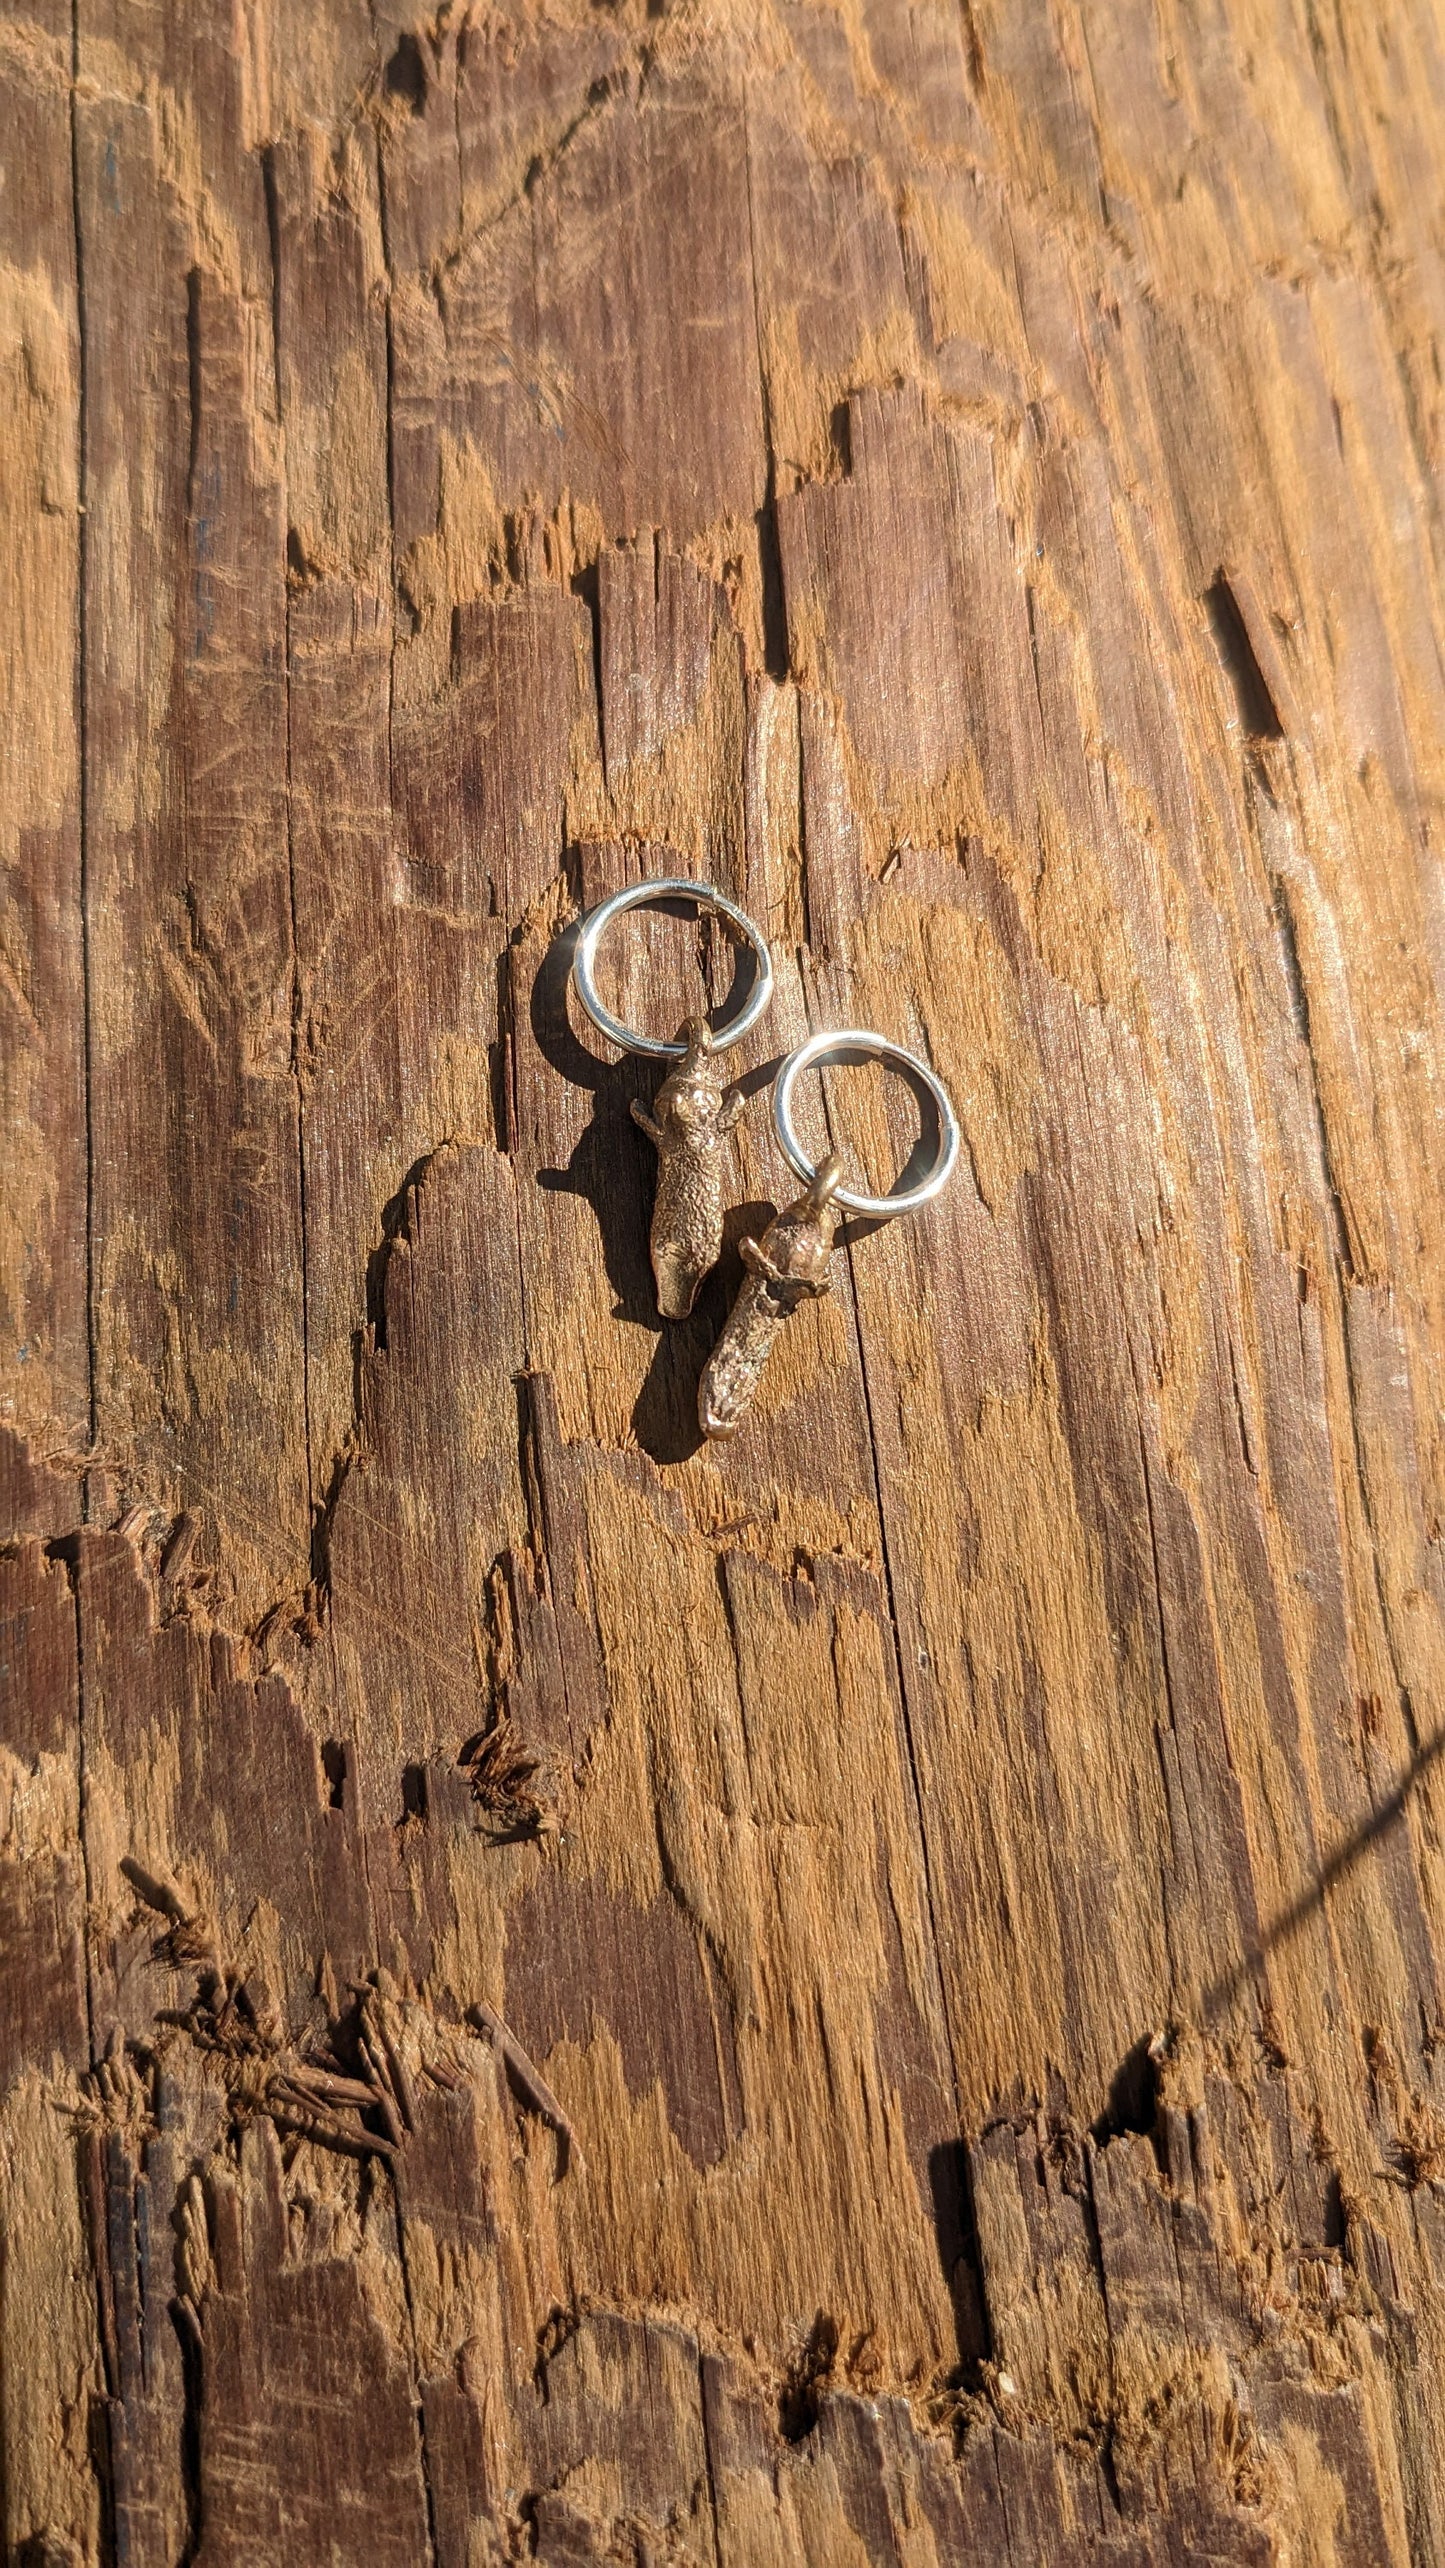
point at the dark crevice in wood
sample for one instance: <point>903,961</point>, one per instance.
<point>1030,605</point>
<point>301,571</point>
<point>82,727</point>
<point>530,1476</point>
<point>770,555</point>
<point>500,1050</point>
<point>394,584</point>
<point>396,1216</point>
<point>586,583</point>
<point>194,387</point>
<point>297,1066</point>
<point>1258,713</point>
<point>1133,2103</point>
<point>273,247</point>
<point>536,1419</point>
<point>955,2230</point>
<point>91,2153</point>
<point>799,2399</point>
<point>775,604</point>
<point>322,1521</point>
<point>1109,2473</point>
<point>193,2381</point>
<point>405,74</point>
<point>334,1769</point>
<point>1299,1004</point>
<point>66,1550</point>
<point>1076,2177</point>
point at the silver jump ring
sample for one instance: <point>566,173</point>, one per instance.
<point>642,895</point>
<point>873,1047</point>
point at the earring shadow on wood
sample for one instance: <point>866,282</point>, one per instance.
<point>609,1165</point>
<point>664,1418</point>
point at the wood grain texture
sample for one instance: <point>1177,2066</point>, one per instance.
<point>871,1993</point>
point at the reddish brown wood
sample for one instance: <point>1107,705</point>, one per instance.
<point>872,1994</point>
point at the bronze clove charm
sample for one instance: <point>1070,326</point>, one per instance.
<point>788,1264</point>
<point>691,1115</point>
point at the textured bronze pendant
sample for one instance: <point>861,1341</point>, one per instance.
<point>692,1114</point>
<point>788,1265</point>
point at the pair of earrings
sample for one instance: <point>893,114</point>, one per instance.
<point>691,1116</point>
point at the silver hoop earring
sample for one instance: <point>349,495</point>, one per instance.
<point>790,1262</point>
<point>693,1111</point>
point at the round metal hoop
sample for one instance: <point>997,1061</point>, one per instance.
<point>642,896</point>
<point>872,1047</point>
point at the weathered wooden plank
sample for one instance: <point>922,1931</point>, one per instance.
<point>43,1281</point>
<point>872,1993</point>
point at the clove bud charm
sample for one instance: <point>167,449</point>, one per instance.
<point>788,1265</point>
<point>691,1116</point>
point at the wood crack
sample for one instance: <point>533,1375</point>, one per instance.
<point>82,719</point>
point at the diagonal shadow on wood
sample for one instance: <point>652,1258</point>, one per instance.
<point>1227,1986</point>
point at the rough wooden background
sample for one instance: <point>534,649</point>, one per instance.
<point>873,1995</point>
